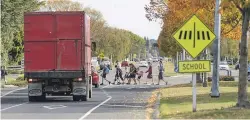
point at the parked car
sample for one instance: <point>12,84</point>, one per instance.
<point>94,63</point>
<point>223,66</point>
<point>95,78</point>
<point>155,60</point>
<point>124,64</point>
<point>143,64</point>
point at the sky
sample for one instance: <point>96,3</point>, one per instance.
<point>126,14</point>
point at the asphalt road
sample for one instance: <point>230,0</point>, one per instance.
<point>108,102</point>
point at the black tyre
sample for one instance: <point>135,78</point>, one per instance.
<point>96,85</point>
<point>84,98</point>
<point>76,98</point>
<point>32,98</point>
<point>90,94</point>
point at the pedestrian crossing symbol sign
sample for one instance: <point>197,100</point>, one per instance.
<point>194,36</point>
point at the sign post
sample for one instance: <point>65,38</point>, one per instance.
<point>194,36</point>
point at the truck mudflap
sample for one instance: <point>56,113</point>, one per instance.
<point>79,88</point>
<point>35,89</point>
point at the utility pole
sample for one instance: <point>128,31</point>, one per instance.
<point>216,48</point>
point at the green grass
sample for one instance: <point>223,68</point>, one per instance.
<point>169,69</point>
<point>176,102</point>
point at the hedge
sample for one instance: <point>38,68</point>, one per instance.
<point>222,78</point>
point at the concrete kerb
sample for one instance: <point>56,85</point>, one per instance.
<point>156,113</point>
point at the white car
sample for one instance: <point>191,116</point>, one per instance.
<point>155,59</point>
<point>94,63</point>
<point>224,66</point>
<point>143,64</point>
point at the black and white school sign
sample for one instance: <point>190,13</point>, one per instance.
<point>194,66</point>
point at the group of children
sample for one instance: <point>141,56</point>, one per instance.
<point>131,72</point>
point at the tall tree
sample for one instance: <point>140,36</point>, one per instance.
<point>243,7</point>
<point>179,10</point>
<point>12,22</point>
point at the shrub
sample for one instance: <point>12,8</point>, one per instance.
<point>222,78</point>
<point>15,71</point>
<point>21,77</point>
<point>19,83</point>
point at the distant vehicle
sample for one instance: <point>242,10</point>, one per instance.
<point>223,66</point>
<point>155,59</point>
<point>143,64</point>
<point>94,58</point>
<point>94,63</point>
<point>124,64</point>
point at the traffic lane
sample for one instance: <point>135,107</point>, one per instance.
<point>125,104</point>
<point>14,97</point>
<point>66,108</point>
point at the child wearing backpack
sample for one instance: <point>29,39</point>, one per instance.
<point>104,74</point>
<point>118,74</point>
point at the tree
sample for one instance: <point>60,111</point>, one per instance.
<point>62,5</point>
<point>243,7</point>
<point>179,10</point>
<point>12,22</point>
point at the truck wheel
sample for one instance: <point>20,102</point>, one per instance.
<point>42,98</point>
<point>84,98</point>
<point>32,98</point>
<point>90,93</point>
<point>76,98</point>
<point>96,85</point>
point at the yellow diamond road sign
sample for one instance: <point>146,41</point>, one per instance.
<point>194,36</point>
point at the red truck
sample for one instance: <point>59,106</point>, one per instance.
<point>57,55</point>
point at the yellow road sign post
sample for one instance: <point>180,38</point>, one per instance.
<point>194,36</point>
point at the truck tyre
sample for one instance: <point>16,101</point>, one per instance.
<point>90,93</point>
<point>96,85</point>
<point>32,98</point>
<point>76,98</point>
<point>42,98</point>
<point>84,98</point>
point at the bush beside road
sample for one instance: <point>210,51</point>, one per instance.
<point>19,81</point>
<point>176,102</point>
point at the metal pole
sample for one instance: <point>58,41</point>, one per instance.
<point>184,54</point>
<point>194,91</point>
<point>217,30</point>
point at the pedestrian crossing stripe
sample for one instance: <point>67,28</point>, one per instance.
<point>194,36</point>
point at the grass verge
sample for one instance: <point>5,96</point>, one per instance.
<point>19,83</point>
<point>176,103</point>
<point>169,69</point>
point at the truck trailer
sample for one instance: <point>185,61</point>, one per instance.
<point>57,55</point>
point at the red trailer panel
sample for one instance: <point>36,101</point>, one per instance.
<point>57,41</point>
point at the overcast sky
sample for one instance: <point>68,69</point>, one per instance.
<point>126,14</point>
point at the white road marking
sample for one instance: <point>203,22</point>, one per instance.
<point>13,91</point>
<point>51,107</point>
<point>13,106</point>
<point>91,110</point>
<point>124,106</point>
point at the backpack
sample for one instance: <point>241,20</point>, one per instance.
<point>106,70</point>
